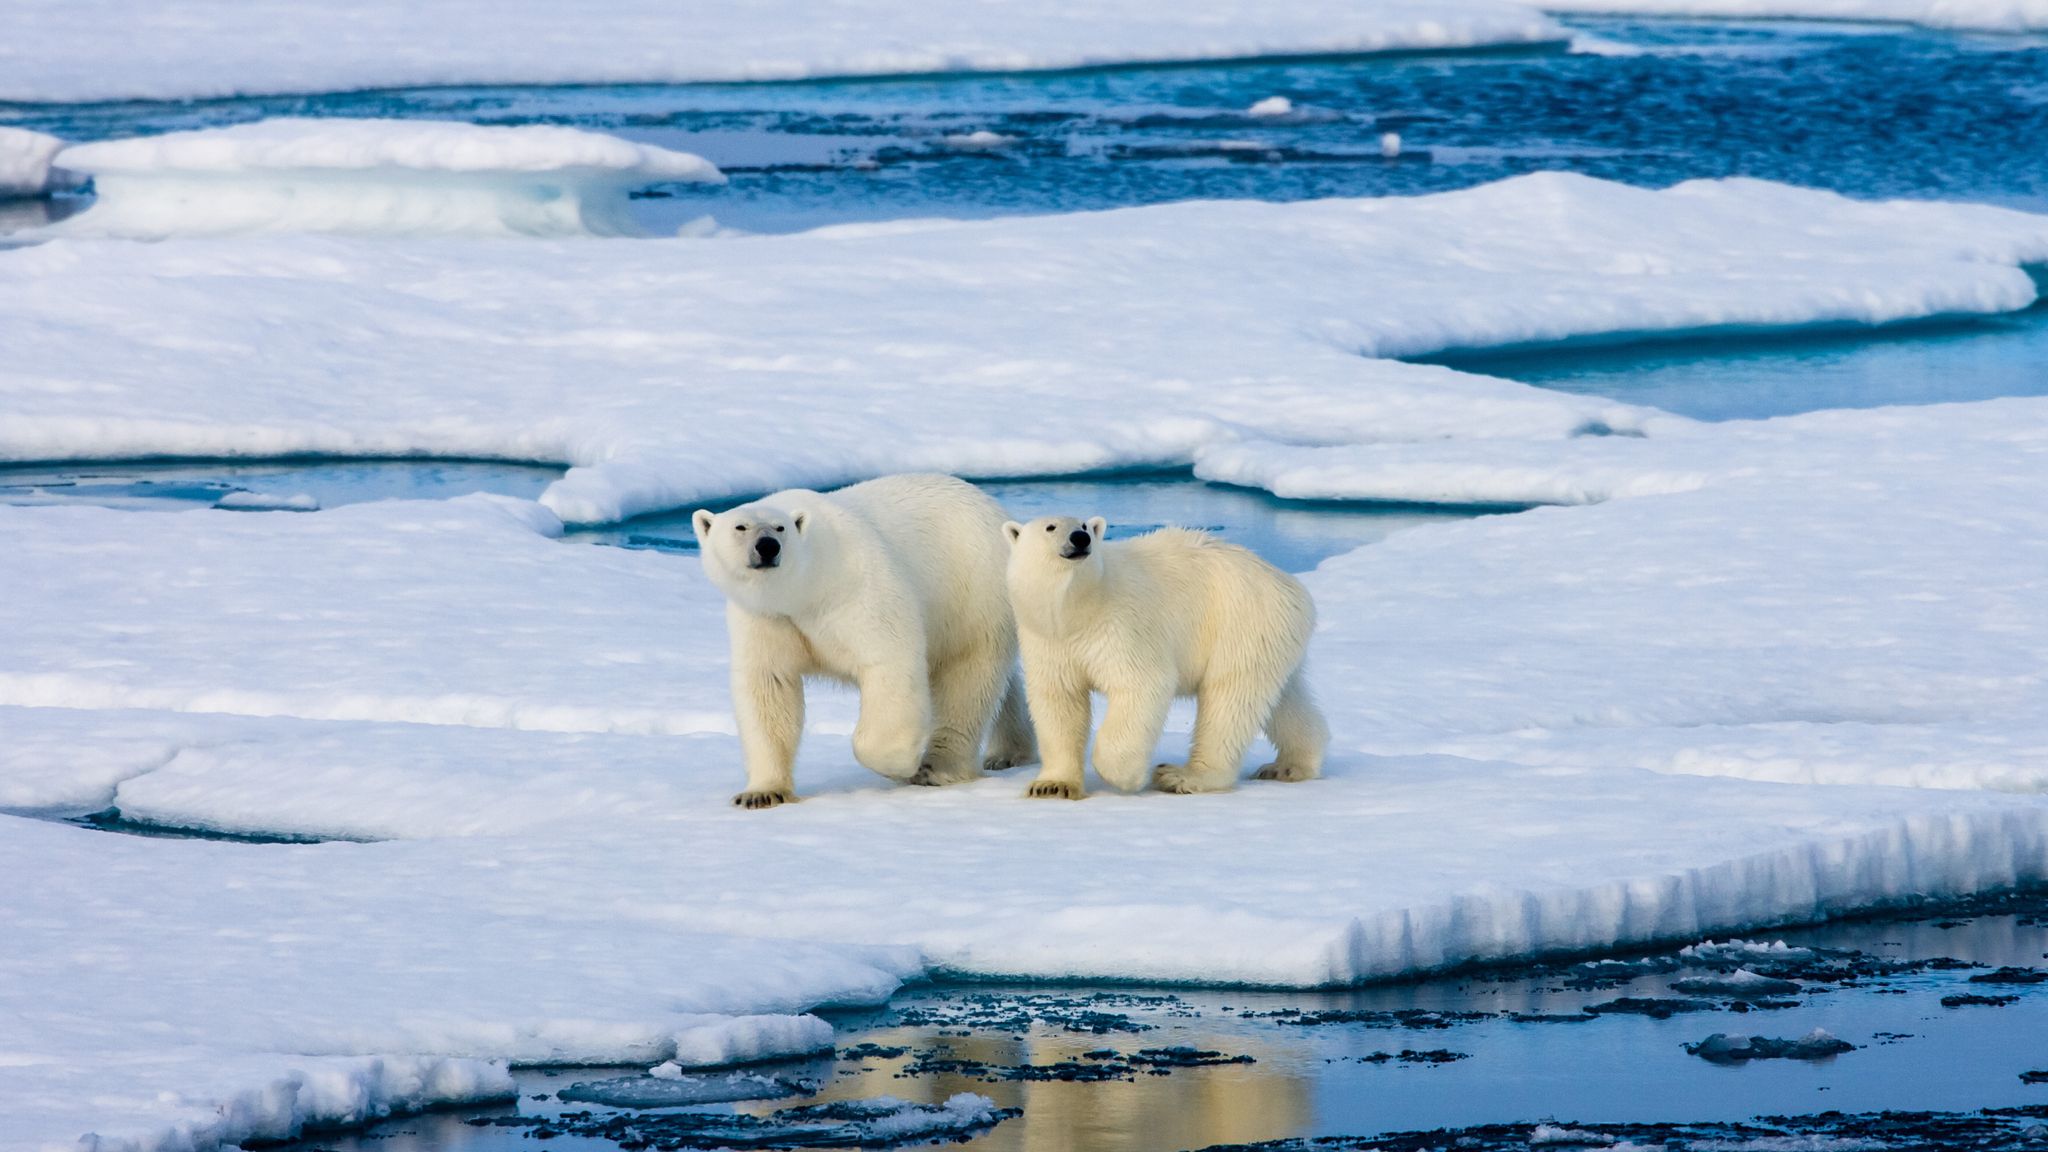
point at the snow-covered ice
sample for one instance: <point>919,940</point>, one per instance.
<point>25,158</point>
<point>1974,15</point>
<point>371,176</point>
<point>117,49</point>
<point>528,748</point>
<point>965,347</point>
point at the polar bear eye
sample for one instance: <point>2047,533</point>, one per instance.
<point>778,527</point>
<point>1050,527</point>
<point>739,527</point>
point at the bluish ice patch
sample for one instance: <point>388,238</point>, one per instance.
<point>1757,376</point>
<point>1869,110</point>
<point>1294,534</point>
<point>183,484</point>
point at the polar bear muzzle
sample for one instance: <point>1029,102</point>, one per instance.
<point>766,553</point>
<point>1078,542</point>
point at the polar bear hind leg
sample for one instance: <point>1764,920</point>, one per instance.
<point>1298,732</point>
<point>966,692</point>
<point>1130,732</point>
<point>1013,742</point>
<point>1229,711</point>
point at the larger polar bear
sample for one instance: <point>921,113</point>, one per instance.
<point>1172,613</point>
<point>894,586</point>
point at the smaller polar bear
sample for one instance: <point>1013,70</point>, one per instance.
<point>894,586</point>
<point>1172,613</point>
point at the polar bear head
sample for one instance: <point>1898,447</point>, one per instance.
<point>762,555</point>
<point>1060,539</point>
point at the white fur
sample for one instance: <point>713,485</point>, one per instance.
<point>1173,613</point>
<point>894,586</point>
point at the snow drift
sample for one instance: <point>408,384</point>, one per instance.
<point>371,176</point>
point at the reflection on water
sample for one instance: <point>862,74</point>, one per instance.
<point>1475,1048</point>
<point>1747,378</point>
<point>1270,1098</point>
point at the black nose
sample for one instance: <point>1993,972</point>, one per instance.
<point>767,548</point>
<point>1079,538</point>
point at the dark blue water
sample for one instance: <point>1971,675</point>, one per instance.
<point>1872,111</point>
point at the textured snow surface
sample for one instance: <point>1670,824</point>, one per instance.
<point>1673,710</point>
<point>726,1040</point>
<point>25,161</point>
<point>1038,345</point>
<point>116,49</point>
<point>185,49</point>
<point>371,176</point>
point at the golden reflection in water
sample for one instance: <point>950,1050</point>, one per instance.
<point>1189,1108</point>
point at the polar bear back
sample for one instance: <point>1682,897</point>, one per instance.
<point>942,539</point>
<point>1203,606</point>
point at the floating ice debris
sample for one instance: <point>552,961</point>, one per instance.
<point>266,502</point>
<point>25,168</point>
<point>1742,984</point>
<point>2011,976</point>
<point>372,177</point>
<point>1728,1048</point>
<point>1655,1007</point>
<point>669,1087</point>
<point>880,1122</point>
<point>1973,1000</point>
<point>1270,107</point>
<point>1390,144</point>
<point>978,141</point>
<point>1552,1136</point>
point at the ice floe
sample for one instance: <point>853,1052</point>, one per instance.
<point>371,176</point>
<point>992,348</point>
<point>266,664</point>
<point>25,168</point>
<point>116,49</point>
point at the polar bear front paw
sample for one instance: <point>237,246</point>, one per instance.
<point>1054,790</point>
<point>1176,778</point>
<point>764,798</point>
<point>1291,773</point>
<point>931,775</point>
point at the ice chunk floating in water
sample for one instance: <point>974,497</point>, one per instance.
<point>372,176</point>
<point>25,163</point>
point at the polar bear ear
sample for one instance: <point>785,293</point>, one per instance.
<point>701,521</point>
<point>1012,529</point>
<point>801,519</point>
<point>1098,527</point>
